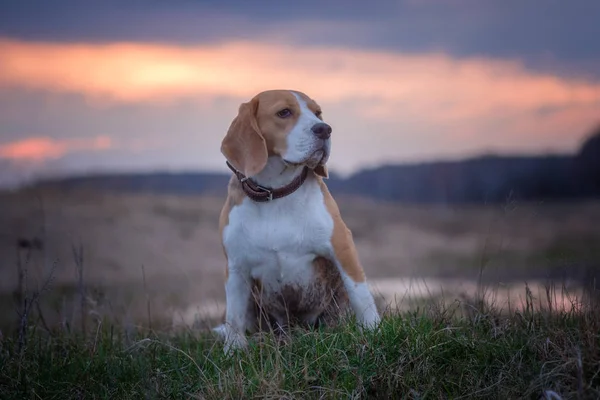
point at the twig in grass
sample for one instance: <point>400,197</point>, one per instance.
<point>22,268</point>
<point>78,258</point>
<point>551,394</point>
<point>28,302</point>
<point>96,338</point>
<point>41,316</point>
<point>579,364</point>
<point>148,307</point>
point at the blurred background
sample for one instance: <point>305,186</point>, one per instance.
<point>466,145</point>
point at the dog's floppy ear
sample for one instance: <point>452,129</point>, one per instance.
<point>244,145</point>
<point>321,170</point>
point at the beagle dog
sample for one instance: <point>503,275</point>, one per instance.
<point>290,257</point>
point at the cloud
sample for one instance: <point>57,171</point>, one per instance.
<point>41,149</point>
<point>524,29</point>
<point>168,105</point>
<point>432,85</point>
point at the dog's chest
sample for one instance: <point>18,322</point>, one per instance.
<point>279,240</point>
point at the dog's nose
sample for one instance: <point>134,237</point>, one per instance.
<point>322,130</point>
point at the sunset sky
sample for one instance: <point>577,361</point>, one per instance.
<point>123,85</point>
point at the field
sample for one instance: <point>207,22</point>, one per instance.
<point>161,255</point>
<point>148,270</point>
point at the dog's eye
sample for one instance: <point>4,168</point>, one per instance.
<point>284,113</point>
<point>318,113</point>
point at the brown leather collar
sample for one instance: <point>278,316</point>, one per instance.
<point>261,194</point>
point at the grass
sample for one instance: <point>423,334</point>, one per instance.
<point>466,349</point>
<point>436,352</point>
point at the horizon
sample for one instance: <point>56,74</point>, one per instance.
<point>402,83</point>
<point>93,173</point>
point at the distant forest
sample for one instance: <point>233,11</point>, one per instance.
<point>484,179</point>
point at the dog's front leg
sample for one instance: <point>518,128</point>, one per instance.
<point>361,299</point>
<point>342,252</point>
<point>237,295</point>
<point>346,259</point>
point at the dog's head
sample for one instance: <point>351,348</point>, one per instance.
<point>281,123</point>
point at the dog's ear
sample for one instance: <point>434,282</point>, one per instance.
<point>322,171</point>
<point>244,145</point>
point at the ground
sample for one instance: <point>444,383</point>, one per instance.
<point>438,352</point>
<point>157,259</point>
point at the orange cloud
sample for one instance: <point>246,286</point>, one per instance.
<point>425,85</point>
<point>38,149</point>
<point>421,105</point>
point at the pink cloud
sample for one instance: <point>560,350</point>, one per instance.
<point>39,149</point>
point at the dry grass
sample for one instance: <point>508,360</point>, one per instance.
<point>466,350</point>
<point>89,307</point>
<point>163,252</point>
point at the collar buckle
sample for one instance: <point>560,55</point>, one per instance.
<point>264,189</point>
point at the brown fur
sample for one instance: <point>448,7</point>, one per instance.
<point>325,300</point>
<point>343,244</point>
<point>257,133</point>
<point>235,195</point>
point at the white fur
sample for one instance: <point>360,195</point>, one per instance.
<point>362,302</point>
<point>277,242</point>
<point>302,142</point>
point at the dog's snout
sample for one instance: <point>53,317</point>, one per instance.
<point>322,130</point>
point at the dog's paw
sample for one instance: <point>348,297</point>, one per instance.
<point>370,321</point>
<point>233,340</point>
<point>220,331</point>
